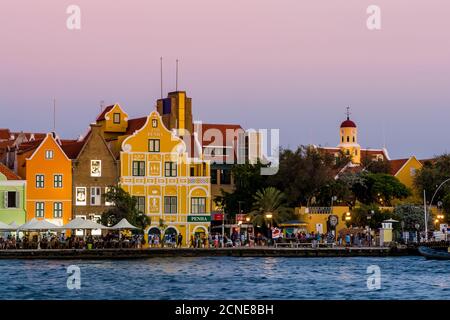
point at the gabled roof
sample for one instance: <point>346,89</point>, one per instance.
<point>10,175</point>
<point>101,116</point>
<point>397,164</point>
<point>5,134</point>
<point>135,124</point>
<point>72,149</point>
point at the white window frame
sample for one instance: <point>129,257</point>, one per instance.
<point>58,184</point>
<point>57,207</point>
<point>37,208</point>
<point>6,199</point>
<point>99,173</point>
<point>49,154</point>
<point>98,197</point>
<point>77,202</point>
<point>38,186</point>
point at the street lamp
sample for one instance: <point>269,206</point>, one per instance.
<point>417,228</point>
<point>269,217</point>
<point>348,216</point>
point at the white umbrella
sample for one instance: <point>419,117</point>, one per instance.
<point>390,220</point>
<point>38,225</point>
<point>79,223</point>
<point>123,225</point>
<point>7,227</point>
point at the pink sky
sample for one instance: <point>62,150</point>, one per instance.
<point>287,64</point>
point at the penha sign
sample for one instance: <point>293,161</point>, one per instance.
<point>199,218</point>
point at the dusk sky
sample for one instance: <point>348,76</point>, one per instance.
<point>288,64</point>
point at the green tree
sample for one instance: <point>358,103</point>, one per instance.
<point>379,188</point>
<point>302,174</point>
<point>369,215</point>
<point>411,215</point>
<point>125,206</point>
<point>247,181</point>
<point>270,201</point>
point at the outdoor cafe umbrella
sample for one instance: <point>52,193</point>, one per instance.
<point>38,225</point>
<point>123,225</point>
<point>7,227</point>
<point>83,224</point>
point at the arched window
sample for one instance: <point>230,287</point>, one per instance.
<point>353,138</point>
<point>348,139</point>
<point>342,138</point>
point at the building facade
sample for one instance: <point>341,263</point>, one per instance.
<point>95,169</point>
<point>48,173</point>
<point>12,197</point>
<point>172,188</point>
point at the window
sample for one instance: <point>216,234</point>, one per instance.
<point>225,176</point>
<point>39,181</point>
<point>57,180</point>
<point>412,172</point>
<point>140,204</point>
<point>96,196</point>
<point>342,138</point>
<point>48,154</point>
<point>170,204</point>
<point>348,139</point>
<point>198,205</point>
<point>80,196</point>
<point>96,168</point>
<point>39,209</point>
<point>116,118</point>
<point>153,145</point>
<point>107,203</point>
<point>138,168</point>
<point>11,199</point>
<point>57,210</point>
<point>353,139</point>
<point>170,169</point>
<point>154,123</point>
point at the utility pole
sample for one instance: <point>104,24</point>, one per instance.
<point>425,213</point>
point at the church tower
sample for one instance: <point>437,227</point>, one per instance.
<point>349,139</point>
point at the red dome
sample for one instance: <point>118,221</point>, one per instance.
<point>348,124</point>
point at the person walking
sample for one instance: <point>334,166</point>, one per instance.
<point>179,240</point>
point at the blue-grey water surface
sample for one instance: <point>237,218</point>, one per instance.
<point>227,278</point>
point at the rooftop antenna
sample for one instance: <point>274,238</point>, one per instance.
<point>176,78</point>
<point>161,71</point>
<point>54,114</point>
<point>348,113</point>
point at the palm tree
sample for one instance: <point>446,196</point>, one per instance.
<point>269,206</point>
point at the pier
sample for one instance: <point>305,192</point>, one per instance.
<point>206,252</point>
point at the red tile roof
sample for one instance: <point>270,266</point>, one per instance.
<point>10,175</point>
<point>396,165</point>
<point>5,134</point>
<point>72,149</point>
<point>135,124</point>
<point>223,128</point>
<point>101,116</point>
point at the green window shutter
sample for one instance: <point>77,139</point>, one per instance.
<point>18,199</point>
<point>5,199</point>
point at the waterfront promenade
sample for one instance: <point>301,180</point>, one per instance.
<point>206,252</point>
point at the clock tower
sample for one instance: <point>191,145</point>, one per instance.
<point>348,139</point>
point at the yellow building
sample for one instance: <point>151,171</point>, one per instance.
<point>405,170</point>
<point>172,188</point>
<point>323,219</point>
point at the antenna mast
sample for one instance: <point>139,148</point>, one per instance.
<point>54,114</point>
<point>176,77</point>
<point>161,71</point>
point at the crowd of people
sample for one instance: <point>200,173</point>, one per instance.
<point>53,241</point>
<point>198,240</point>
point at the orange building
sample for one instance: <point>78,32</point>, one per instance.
<point>48,172</point>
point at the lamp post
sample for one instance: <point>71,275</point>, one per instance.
<point>431,202</point>
<point>269,217</point>
<point>417,231</point>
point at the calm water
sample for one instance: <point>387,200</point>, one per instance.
<point>227,278</point>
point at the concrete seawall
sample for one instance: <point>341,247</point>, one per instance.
<point>185,252</point>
